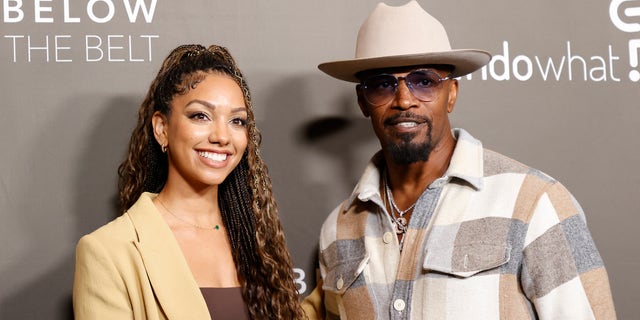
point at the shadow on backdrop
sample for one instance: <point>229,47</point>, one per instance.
<point>293,134</point>
<point>94,177</point>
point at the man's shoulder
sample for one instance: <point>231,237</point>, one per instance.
<point>331,220</point>
<point>496,163</point>
<point>507,172</point>
<point>349,212</point>
<point>472,159</point>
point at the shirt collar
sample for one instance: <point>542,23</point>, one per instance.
<point>466,164</point>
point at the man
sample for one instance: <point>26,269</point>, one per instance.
<point>438,227</point>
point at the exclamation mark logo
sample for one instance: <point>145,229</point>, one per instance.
<point>634,44</point>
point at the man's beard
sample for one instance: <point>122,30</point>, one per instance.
<point>407,151</point>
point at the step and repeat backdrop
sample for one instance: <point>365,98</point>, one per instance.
<point>561,94</point>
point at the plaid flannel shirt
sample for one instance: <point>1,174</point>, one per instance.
<point>491,239</point>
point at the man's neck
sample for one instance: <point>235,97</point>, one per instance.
<point>408,181</point>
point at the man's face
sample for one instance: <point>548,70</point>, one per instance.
<point>409,122</point>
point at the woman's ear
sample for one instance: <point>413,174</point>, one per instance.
<point>160,122</point>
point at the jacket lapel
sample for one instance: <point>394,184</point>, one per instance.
<point>173,284</point>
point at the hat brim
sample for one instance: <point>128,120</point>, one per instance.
<point>464,62</point>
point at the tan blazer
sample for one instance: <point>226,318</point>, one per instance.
<point>133,268</point>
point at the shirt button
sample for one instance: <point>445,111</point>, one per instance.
<point>399,304</point>
<point>340,283</point>
<point>387,237</point>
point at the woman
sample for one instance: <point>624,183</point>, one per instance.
<point>200,236</point>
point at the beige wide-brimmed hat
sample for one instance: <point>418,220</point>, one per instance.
<point>404,36</point>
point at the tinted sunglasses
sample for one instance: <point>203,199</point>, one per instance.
<point>422,83</point>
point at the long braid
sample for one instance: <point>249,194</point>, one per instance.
<point>238,218</point>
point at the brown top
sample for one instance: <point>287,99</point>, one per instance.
<point>225,303</point>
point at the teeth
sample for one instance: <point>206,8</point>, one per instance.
<point>213,156</point>
<point>407,124</point>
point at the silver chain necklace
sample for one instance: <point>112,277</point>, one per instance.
<point>216,227</point>
<point>397,215</point>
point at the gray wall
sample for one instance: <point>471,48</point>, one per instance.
<point>66,115</point>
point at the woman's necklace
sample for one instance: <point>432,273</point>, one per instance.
<point>216,227</point>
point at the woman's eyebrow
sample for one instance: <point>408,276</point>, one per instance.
<point>213,106</point>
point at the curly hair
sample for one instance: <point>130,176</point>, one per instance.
<point>248,209</point>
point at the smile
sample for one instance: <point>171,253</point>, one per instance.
<point>407,124</point>
<point>213,155</point>
<point>406,120</point>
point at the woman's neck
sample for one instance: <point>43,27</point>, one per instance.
<point>199,206</point>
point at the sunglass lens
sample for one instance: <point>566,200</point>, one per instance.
<point>379,88</point>
<point>423,84</point>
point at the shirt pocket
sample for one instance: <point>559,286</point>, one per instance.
<point>466,260</point>
<point>344,272</point>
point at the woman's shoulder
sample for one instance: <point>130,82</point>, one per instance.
<point>122,230</point>
<point>118,230</point>
<point>123,227</point>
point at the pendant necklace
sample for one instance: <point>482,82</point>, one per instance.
<point>397,215</point>
<point>216,227</point>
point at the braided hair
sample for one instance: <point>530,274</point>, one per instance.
<point>248,209</point>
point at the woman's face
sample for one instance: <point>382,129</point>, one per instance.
<point>206,133</point>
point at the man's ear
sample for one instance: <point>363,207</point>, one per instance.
<point>361,103</point>
<point>159,122</point>
<point>453,95</point>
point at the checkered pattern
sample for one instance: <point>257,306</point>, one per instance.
<point>492,239</point>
